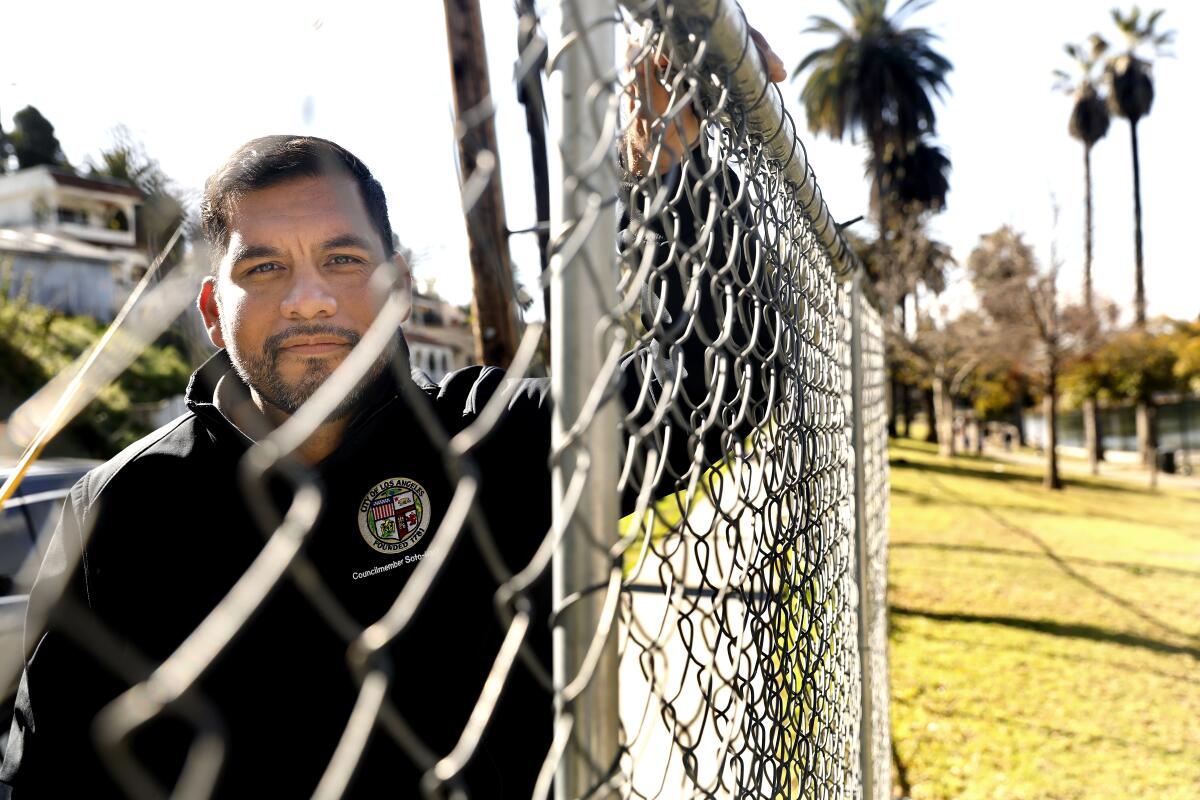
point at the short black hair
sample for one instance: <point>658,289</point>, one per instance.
<point>271,160</point>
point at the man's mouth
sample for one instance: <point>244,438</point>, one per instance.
<point>310,341</point>
<point>314,346</point>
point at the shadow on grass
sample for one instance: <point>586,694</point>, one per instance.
<point>899,629</point>
<point>985,470</point>
<point>901,770</point>
<point>1066,568</point>
<point>1072,630</point>
<point>926,499</point>
<point>1029,491</point>
<point>1133,569</point>
<point>1021,723</point>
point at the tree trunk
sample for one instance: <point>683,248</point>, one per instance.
<point>890,394</point>
<point>931,417</point>
<point>906,409</point>
<point>1093,436</point>
<point>1019,422</point>
<point>899,388</point>
<point>1050,410</point>
<point>1139,297</point>
<point>1145,410</point>
<point>1087,230</point>
<point>877,146</point>
<point>1146,420</point>
<point>945,416</point>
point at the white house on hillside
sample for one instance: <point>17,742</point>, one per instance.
<point>438,335</point>
<point>71,240</point>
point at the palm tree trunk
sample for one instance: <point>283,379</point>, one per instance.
<point>1087,229</point>
<point>896,385</point>
<point>1139,297</point>
<point>1146,418</point>
<point>1093,439</point>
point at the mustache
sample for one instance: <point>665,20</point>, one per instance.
<point>274,342</point>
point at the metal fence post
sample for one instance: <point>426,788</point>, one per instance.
<point>583,270</point>
<point>861,532</point>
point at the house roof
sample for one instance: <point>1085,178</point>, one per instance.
<point>113,186</point>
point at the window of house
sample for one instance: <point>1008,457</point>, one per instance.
<point>117,221</point>
<point>73,216</point>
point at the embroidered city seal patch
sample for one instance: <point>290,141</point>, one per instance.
<point>394,515</point>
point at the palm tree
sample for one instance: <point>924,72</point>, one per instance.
<point>875,80</point>
<point>1089,124</point>
<point>1130,95</point>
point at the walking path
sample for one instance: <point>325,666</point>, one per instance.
<point>1125,472</point>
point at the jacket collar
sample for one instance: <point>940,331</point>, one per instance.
<point>201,393</point>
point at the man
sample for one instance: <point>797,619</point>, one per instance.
<point>151,541</point>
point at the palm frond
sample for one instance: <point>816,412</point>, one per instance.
<point>907,9</point>
<point>825,25</point>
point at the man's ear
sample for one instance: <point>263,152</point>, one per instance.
<point>405,279</point>
<point>210,311</point>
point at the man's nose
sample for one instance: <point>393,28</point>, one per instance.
<point>309,297</point>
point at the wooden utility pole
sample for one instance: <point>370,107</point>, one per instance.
<point>494,325</point>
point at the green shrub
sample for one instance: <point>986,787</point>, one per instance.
<point>37,343</point>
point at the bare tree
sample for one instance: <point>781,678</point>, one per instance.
<point>1020,301</point>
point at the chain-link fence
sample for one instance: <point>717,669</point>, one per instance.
<point>869,384</point>
<point>689,602</point>
<point>740,665</point>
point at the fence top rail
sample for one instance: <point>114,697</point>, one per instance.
<point>716,32</point>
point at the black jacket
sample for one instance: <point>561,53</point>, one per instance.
<point>170,534</point>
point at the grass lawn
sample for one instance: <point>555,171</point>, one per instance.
<point>1043,645</point>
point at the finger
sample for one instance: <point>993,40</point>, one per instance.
<point>776,72</point>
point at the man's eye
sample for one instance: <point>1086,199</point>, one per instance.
<point>260,269</point>
<point>345,260</point>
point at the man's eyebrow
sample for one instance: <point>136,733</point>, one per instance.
<point>247,252</point>
<point>345,240</point>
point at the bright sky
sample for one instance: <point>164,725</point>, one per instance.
<point>194,81</point>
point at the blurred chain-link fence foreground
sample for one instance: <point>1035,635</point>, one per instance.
<point>714,556</point>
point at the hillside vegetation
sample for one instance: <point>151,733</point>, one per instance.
<point>37,343</point>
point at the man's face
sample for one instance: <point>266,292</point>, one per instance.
<point>292,292</point>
